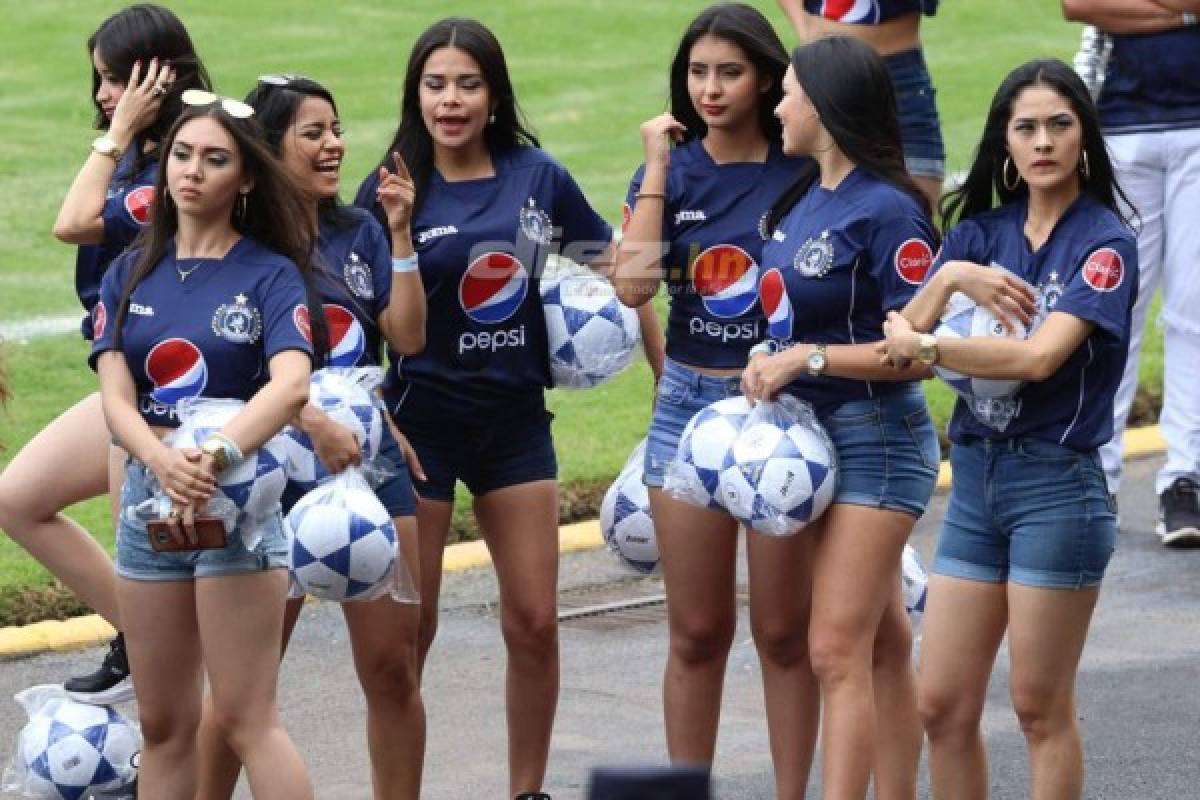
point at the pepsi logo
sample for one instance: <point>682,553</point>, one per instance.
<point>347,340</point>
<point>177,369</point>
<point>726,278</point>
<point>773,293</point>
<point>493,288</point>
<point>626,216</point>
<point>863,11</point>
<point>913,260</point>
<point>99,320</point>
<point>139,203</point>
<point>1104,269</point>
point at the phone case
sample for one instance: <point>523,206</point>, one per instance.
<point>209,530</point>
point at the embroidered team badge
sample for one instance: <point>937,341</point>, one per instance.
<point>138,204</point>
<point>358,276</point>
<point>995,412</point>
<point>237,322</point>
<point>1104,270</point>
<point>535,224</point>
<point>1051,292</point>
<point>814,259</point>
<point>913,260</point>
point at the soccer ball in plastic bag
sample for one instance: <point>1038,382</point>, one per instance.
<point>625,516</point>
<point>962,319</point>
<point>705,449</point>
<point>345,395</point>
<point>343,544</point>
<point>591,334</point>
<point>913,584</point>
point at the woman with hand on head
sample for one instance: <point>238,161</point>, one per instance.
<point>368,304</point>
<point>850,240</point>
<point>693,219</point>
<point>142,60</point>
<point>209,304</point>
<point>1029,529</point>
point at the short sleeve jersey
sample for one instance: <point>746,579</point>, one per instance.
<point>1086,268</point>
<point>1152,82</point>
<point>127,205</point>
<point>837,262</point>
<point>482,245</point>
<point>713,229</point>
<point>210,334</point>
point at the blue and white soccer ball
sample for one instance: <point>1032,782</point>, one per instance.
<point>962,318</point>
<point>342,543</point>
<point>705,450</point>
<point>346,402</point>
<point>73,749</point>
<point>779,478</point>
<point>255,485</point>
<point>625,516</point>
<point>913,585</point>
<point>591,334</point>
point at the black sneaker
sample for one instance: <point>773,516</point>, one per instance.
<point>109,684</point>
<point>533,796</point>
<point>1179,514</point>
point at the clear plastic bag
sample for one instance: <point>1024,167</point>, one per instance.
<point>625,516</point>
<point>342,545</point>
<point>693,476</point>
<point>68,748</point>
<point>591,335</point>
<point>913,584</point>
<point>348,396</point>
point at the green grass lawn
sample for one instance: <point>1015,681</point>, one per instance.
<point>587,73</point>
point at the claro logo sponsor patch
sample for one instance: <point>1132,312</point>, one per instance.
<point>1104,270</point>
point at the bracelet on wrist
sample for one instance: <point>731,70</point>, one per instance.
<point>652,195</point>
<point>406,264</point>
<point>224,451</point>
<point>769,347</point>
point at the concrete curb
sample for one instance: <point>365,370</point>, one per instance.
<point>80,632</point>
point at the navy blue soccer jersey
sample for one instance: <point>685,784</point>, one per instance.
<point>1086,268</point>
<point>482,245</point>
<point>713,226</point>
<point>1152,82</point>
<point>835,265</point>
<point>354,276</point>
<point>127,205</point>
<point>209,335</point>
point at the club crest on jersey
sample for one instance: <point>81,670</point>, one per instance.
<point>913,260</point>
<point>535,224</point>
<point>814,259</point>
<point>358,276</point>
<point>138,204</point>
<point>237,322</point>
<point>1104,270</point>
<point>1051,291</point>
<point>99,320</point>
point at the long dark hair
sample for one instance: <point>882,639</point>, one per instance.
<point>274,216</point>
<point>745,27</point>
<point>850,88</point>
<point>413,141</point>
<point>984,186</point>
<point>139,33</point>
<point>275,107</point>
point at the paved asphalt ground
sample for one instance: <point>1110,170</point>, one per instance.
<point>1138,696</point>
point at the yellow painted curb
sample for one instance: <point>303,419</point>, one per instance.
<point>92,630</point>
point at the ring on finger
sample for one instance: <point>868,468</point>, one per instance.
<point>159,90</point>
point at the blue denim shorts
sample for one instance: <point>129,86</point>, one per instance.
<point>920,129</point>
<point>395,493</point>
<point>137,561</point>
<point>887,450</point>
<point>682,393</point>
<point>1028,511</point>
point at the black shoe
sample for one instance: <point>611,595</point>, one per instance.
<point>109,684</point>
<point>533,796</point>
<point>1179,514</point>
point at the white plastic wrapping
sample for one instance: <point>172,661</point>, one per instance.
<point>591,334</point>
<point>913,584</point>
<point>693,475</point>
<point>625,516</point>
<point>342,545</point>
<point>68,749</point>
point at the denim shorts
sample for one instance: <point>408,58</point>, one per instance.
<point>137,561</point>
<point>1028,511</point>
<point>682,393</point>
<point>916,106</point>
<point>395,493</point>
<point>487,456</point>
<point>887,450</point>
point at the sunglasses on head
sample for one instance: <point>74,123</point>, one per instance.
<point>234,108</point>
<point>280,80</point>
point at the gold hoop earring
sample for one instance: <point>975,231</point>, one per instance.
<point>1084,167</point>
<point>1004,175</point>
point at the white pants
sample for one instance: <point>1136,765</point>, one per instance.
<point>1160,172</point>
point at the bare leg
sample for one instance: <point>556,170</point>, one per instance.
<point>898,733</point>
<point>433,526</point>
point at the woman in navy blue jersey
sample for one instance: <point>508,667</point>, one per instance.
<point>210,304</point>
<point>489,207</point>
<point>364,305</point>
<point>850,240</point>
<point>1030,527</point>
<point>142,59</point>
<point>693,219</point>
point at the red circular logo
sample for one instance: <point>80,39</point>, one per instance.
<point>99,320</point>
<point>1104,269</point>
<point>139,203</point>
<point>302,322</point>
<point>913,260</point>
<point>626,215</point>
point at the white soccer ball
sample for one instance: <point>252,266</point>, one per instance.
<point>347,403</point>
<point>705,450</point>
<point>625,516</point>
<point>342,543</point>
<point>255,485</point>
<point>962,318</point>
<point>913,584</point>
<point>73,749</point>
<point>591,334</point>
<point>779,479</point>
